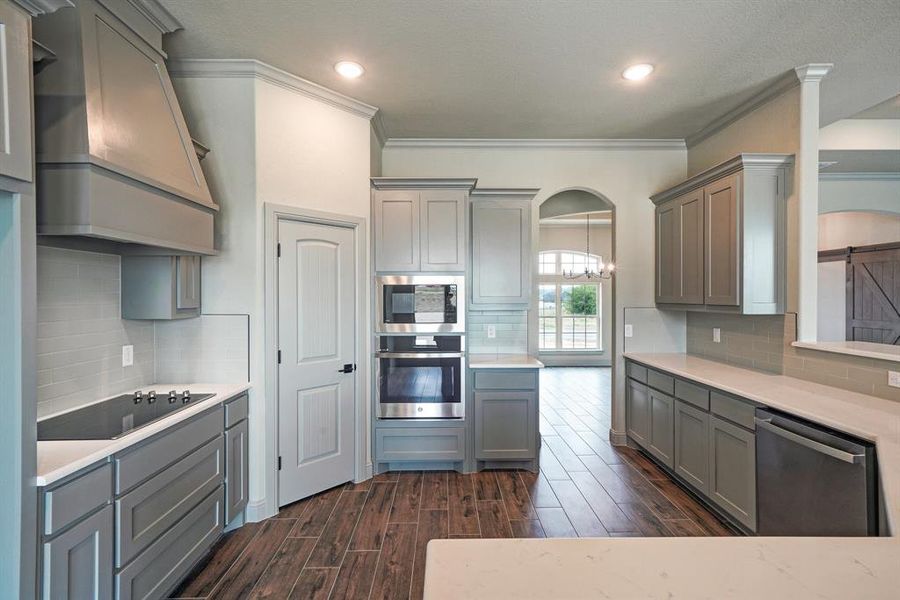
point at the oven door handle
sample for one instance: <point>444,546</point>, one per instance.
<point>419,354</point>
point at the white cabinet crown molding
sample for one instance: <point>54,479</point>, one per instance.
<point>250,68</point>
<point>395,183</point>
<point>157,14</point>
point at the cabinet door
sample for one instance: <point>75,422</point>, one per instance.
<point>690,222</point>
<point>662,427</point>
<point>16,124</point>
<point>396,216</point>
<point>187,282</point>
<point>732,462</point>
<point>442,226</point>
<point>501,252</point>
<point>692,445</point>
<point>637,412</point>
<point>237,458</point>
<point>506,425</point>
<point>668,258</point>
<point>722,271</point>
<point>79,563</point>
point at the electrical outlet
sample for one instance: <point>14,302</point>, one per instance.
<point>717,335</point>
<point>629,330</point>
<point>894,379</point>
<point>491,331</point>
<point>127,355</point>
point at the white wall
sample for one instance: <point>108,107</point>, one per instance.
<point>882,195</point>
<point>842,229</point>
<point>572,238</point>
<point>269,145</point>
<point>832,316</point>
<point>861,134</point>
<point>625,177</point>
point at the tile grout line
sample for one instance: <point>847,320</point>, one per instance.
<point>355,525</point>
<point>236,560</point>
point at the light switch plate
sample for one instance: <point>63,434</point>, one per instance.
<point>629,330</point>
<point>894,379</point>
<point>127,355</point>
<point>717,335</point>
<point>491,331</point>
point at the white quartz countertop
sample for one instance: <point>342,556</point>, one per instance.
<point>504,361</point>
<point>738,567</point>
<point>58,459</point>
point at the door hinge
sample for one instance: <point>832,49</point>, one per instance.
<point>278,250</point>
<point>279,357</point>
<point>279,463</point>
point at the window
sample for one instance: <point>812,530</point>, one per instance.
<point>569,311</point>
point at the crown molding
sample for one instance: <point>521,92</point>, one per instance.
<point>378,128</point>
<point>254,69</point>
<point>395,183</point>
<point>157,14</point>
<point>503,192</point>
<point>813,72</point>
<point>874,176</point>
<point>42,7</point>
<point>784,83</point>
<point>511,143</point>
<point>739,162</point>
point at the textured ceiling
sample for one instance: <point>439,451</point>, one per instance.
<point>551,69</point>
<point>889,109</point>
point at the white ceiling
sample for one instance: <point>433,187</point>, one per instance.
<point>889,109</point>
<point>551,69</point>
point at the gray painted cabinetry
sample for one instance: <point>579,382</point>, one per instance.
<point>506,415</point>
<point>16,156</point>
<point>704,437</point>
<point>720,237</point>
<point>420,224</point>
<point>160,287</point>
<point>237,457</point>
<point>502,252</point>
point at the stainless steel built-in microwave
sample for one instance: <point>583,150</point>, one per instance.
<point>420,304</point>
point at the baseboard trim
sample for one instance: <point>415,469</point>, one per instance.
<point>618,438</point>
<point>256,511</point>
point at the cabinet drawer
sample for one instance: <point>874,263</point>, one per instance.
<point>420,443</point>
<point>72,500</point>
<point>143,514</point>
<point>505,380</point>
<point>161,566</point>
<point>733,410</point>
<point>692,394</point>
<point>661,381</point>
<point>236,410</point>
<point>636,371</point>
<point>143,462</point>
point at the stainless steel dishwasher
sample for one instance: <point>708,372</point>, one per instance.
<point>811,480</point>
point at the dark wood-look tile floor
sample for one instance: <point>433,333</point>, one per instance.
<point>368,540</point>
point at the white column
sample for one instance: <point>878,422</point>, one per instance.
<point>806,179</point>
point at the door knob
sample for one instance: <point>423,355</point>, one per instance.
<point>347,368</point>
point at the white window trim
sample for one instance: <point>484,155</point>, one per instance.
<point>558,280</point>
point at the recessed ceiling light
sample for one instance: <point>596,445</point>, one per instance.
<point>637,72</point>
<point>349,69</point>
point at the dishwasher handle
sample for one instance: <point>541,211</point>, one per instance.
<point>814,445</point>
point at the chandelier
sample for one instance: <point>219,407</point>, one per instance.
<point>606,270</point>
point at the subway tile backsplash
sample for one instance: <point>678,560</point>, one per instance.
<point>80,335</point>
<point>512,332</point>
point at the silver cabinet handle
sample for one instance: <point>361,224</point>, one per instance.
<point>819,447</point>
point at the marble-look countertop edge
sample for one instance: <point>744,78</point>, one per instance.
<point>57,459</point>
<point>504,361</point>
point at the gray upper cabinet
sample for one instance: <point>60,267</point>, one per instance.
<point>732,479</point>
<point>419,224</point>
<point>720,237</point>
<point>79,562</point>
<point>502,253</point>
<point>16,154</point>
<point>160,287</point>
<point>679,250</point>
<point>114,156</point>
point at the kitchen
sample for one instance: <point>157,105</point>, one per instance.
<point>276,338</point>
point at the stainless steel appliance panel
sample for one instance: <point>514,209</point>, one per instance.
<point>420,304</point>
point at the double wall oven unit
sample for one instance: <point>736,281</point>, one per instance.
<point>419,304</point>
<point>420,376</point>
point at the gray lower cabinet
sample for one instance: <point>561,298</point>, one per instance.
<point>506,425</point>
<point>637,412</point>
<point>691,459</point>
<point>237,459</point>
<point>160,287</point>
<point>662,427</point>
<point>420,444</point>
<point>79,562</point>
<point>502,253</point>
<point>732,479</point>
<point>16,155</point>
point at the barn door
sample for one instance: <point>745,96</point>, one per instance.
<point>873,296</point>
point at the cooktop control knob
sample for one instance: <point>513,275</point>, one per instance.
<point>138,396</point>
<point>172,396</point>
<point>186,396</point>
<point>151,397</point>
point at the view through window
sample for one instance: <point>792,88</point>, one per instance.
<point>569,311</point>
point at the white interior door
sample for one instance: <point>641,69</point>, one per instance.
<point>316,336</point>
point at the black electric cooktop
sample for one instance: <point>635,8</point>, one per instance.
<point>115,417</point>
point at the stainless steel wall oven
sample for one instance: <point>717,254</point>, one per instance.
<point>420,376</point>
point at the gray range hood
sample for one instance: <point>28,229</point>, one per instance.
<point>114,157</point>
